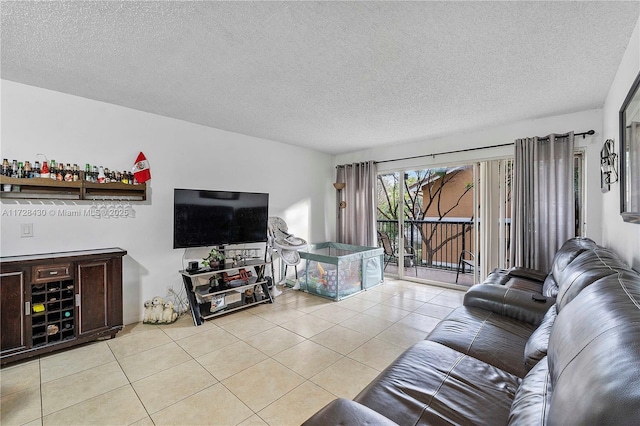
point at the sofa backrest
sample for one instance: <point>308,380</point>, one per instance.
<point>564,256</point>
<point>585,269</point>
<point>594,354</point>
<point>590,374</point>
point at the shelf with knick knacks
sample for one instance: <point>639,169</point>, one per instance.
<point>49,189</point>
<point>214,292</point>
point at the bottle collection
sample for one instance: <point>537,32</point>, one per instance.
<point>67,173</point>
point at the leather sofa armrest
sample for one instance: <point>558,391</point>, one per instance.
<point>517,304</point>
<point>345,412</point>
<point>527,273</point>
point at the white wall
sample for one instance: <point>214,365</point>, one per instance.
<point>621,236</point>
<point>498,135</point>
<point>181,154</point>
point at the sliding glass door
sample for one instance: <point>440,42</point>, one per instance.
<point>451,224</point>
<point>430,217</point>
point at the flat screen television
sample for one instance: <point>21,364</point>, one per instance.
<point>203,218</point>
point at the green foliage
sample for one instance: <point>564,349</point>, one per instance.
<point>214,255</point>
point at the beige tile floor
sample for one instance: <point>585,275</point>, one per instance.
<point>273,364</point>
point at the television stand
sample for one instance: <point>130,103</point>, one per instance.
<point>210,296</point>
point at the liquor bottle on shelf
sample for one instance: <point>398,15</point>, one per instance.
<point>68,173</point>
<point>6,169</point>
<point>14,169</point>
<point>53,170</point>
<point>87,173</point>
<point>60,172</point>
<point>28,172</point>
<point>20,173</point>
<point>101,177</point>
<point>36,169</point>
<point>44,172</point>
<point>76,173</point>
<point>107,175</point>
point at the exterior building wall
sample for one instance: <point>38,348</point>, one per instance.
<point>449,238</point>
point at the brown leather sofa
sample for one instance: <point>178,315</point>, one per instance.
<point>575,362</point>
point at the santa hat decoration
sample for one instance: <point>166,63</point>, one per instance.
<point>141,169</point>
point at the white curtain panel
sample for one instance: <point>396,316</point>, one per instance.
<point>357,221</point>
<point>543,200</point>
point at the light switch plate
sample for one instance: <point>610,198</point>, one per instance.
<point>26,230</point>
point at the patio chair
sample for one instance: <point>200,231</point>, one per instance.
<point>466,258</point>
<point>409,253</point>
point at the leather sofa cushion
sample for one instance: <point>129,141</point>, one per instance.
<point>520,283</point>
<point>516,278</point>
<point>528,274</point>
<point>536,347</point>
<point>569,251</point>
<point>497,277</point>
<point>433,384</point>
<point>588,267</point>
<point>479,333</point>
<point>531,403</point>
<point>593,355</point>
<point>347,413</point>
<point>566,255</point>
<point>521,305</point>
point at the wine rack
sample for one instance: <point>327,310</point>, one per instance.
<point>52,312</point>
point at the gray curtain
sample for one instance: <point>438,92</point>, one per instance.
<point>543,200</point>
<point>357,221</point>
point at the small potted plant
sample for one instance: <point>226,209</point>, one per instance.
<point>214,260</point>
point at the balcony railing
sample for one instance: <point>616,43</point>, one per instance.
<point>437,243</point>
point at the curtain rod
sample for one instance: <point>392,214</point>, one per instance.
<point>583,134</point>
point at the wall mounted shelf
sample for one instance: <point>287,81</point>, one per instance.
<point>49,189</point>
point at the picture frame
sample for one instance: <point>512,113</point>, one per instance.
<point>630,155</point>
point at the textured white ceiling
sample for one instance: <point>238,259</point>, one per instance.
<point>333,76</point>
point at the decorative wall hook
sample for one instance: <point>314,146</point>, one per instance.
<point>608,166</point>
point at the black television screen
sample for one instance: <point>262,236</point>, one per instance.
<point>204,218</point>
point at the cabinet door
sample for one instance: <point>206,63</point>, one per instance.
<point>93,296</point>
<point>12,311</point>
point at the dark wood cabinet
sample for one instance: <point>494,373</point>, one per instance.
<point>12,317</point>
<point>56,300</point>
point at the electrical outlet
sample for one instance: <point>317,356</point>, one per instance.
<point>26,230</point>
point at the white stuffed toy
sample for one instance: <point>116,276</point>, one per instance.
<point>157,307</point>
<point>169,315</point>
<point>147,312</point>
